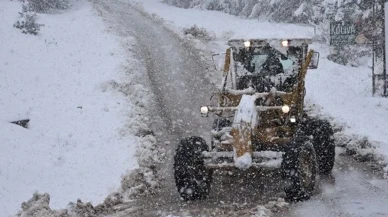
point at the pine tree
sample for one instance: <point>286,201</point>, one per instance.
<point>44,6</point>
<point>28,23</point>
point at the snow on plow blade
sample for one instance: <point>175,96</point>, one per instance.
<point>262,159</point>
<point>246,119</point>
<point>229,109</point>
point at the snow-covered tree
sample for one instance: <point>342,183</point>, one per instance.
<point>44,6</point>
<point>27,23</point>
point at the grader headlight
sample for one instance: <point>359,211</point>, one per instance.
<point>285,43</point>
<point>204,111</point>
<point>247,44</point>
<point>285,109</point>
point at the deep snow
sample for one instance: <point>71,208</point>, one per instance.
<point>345,94</point>
<point>76,145</point>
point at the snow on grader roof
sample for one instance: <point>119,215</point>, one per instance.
<point>266,30</point>
<point>285,42</point>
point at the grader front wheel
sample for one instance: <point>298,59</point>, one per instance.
<point>299,169</point>
<point>192,178</point>
<point>322,138</point>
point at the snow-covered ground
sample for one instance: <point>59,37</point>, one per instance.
<point>342,93</point>
<point>76,145</point>
<point>345,94</point>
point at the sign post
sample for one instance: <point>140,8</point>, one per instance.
<point>380,49</point>
<point>384,7</point>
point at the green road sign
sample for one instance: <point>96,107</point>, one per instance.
<point>344,33</point>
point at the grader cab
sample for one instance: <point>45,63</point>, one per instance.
<point>261,122</point>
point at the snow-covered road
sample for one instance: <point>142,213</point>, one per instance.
<point>177,77</point>
<point>352,191</point>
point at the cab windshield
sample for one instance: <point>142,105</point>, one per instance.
<point>264,68</point>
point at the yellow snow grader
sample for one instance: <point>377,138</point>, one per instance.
<point>260,121</point>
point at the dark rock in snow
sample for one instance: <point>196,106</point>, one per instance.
<point>22,123</point>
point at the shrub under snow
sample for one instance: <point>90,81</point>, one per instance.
<point>28,23</point>
<point>44,6</point>
<point>39,206</point>
<point>197,32</point>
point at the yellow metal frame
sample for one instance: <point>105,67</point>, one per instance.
<point>266,132</point>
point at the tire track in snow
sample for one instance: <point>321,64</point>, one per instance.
<point>353,191</point>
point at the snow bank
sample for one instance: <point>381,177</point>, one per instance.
<point>75,146</point>
<point>150,155</point>
<point>38,206</point>
<point>344,94</point>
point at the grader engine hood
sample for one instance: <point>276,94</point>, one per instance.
<point>245,121</point>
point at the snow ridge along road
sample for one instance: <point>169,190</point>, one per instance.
<point>176,75</point>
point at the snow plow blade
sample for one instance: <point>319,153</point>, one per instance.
<point>261,160</point>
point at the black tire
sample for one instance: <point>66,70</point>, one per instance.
<point>321,133</point>
<point>218,124</point>
<point>299,170</point>
<point>192,178</point>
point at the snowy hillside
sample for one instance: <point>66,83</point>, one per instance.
<point>76,145</point>
<point>297,11</point>
<point>341,93</point>
<point>224,26</point>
